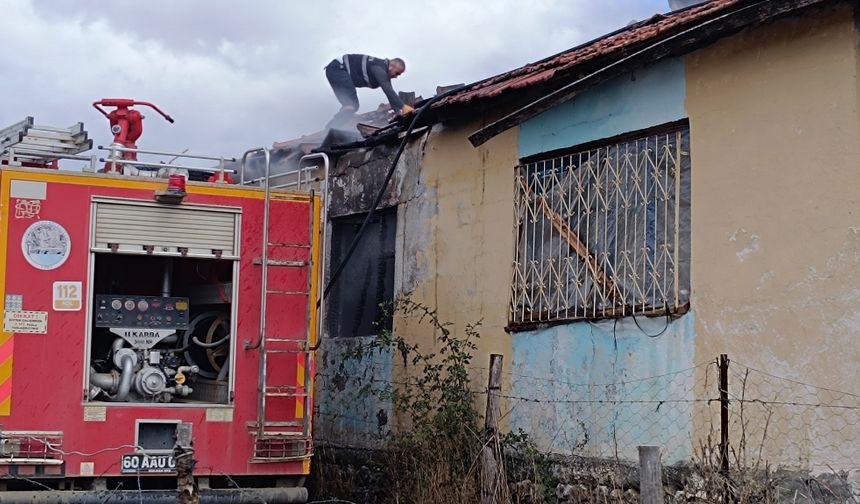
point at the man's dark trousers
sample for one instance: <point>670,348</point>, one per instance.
<point>344,90</point>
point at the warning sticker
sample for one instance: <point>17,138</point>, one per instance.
<point>219,414</point>
<point>95,414</point>
<point>88,468</point>
<point>67,296</point>
<point>32,322</point>
<point>27,189</point>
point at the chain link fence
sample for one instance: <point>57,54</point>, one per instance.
<point>609,420</point>
<point>728,432</point>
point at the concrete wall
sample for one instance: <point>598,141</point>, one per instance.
<point>776,248</point>
<point>641,99</point>
<point>454,255</point>
<point>458,240</point>
<point>352,407</point>
<point>566,380</point>
<point>347,413</point>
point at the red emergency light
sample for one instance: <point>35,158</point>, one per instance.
<point>176,184</point>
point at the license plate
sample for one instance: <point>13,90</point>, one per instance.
<point>141,463</point>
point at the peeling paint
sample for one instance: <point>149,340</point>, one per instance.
<point>763,279</point>
<point>751,248</point>
<point>751,243</point>
<point>347,412</point>
<point>594,383</point>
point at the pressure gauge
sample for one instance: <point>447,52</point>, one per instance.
<point>116,304</point>
<point>142,305</point>
<point>129,304</point>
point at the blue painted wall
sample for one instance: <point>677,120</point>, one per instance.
<point>645,98</point>
<point>602,389</point>
<point>347,411</point>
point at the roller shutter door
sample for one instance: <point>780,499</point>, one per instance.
<point>142,227</point>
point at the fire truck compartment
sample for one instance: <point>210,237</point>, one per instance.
<point>161,329</point>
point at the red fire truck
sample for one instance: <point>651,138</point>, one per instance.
<point>145,313</point>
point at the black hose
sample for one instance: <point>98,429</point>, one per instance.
<point>352,246</point>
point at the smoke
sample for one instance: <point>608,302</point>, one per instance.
<point>235,77</point>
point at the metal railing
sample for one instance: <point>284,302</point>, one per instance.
<point>115,161</point>
<point>311,171</point>
<point>604,232</point>
<point>319,163</point>
<point>267,156</point>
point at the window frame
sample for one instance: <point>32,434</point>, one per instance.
<point>385,220</point>
<point>554,220</point>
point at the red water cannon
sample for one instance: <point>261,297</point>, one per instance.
<point>126,123</point>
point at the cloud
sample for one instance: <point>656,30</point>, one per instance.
<point>236,75</point>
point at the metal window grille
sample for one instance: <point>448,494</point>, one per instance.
<point>603,232</point>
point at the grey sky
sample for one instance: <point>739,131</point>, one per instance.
<point>240,74</point>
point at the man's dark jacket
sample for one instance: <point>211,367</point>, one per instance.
<point>367,71</point>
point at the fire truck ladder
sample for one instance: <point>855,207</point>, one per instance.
<point>282,439</point>
<point>27,143</point>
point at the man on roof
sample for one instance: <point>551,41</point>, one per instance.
<point>360,70</point>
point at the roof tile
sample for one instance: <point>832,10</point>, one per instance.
<point>544,70</point>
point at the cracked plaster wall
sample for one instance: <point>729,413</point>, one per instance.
<point>454,245</point>
<point>776,188</point>
<point>347,413</point>
<point>575,372</point>
<point>457,241</point>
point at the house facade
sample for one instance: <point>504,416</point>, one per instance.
<point>684,188</point>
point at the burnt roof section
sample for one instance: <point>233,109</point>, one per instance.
<point>551,81</point>
<point>377,125</point>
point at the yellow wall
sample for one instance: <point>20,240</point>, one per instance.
<point>457,240</point>
<point>776,210</point>
<point>454,248</point>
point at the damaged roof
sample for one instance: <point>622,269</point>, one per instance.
<point>614,43</point>
<point>560,77</point>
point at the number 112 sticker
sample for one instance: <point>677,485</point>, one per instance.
<point>68,296</point>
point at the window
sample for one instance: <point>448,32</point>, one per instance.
<point>367,280</point>
<point>604,232</point>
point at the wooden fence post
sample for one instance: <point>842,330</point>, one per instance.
<point>650,475</point>
<point>490,452</point>
<point>186,488</point>
<point>724,425</point>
